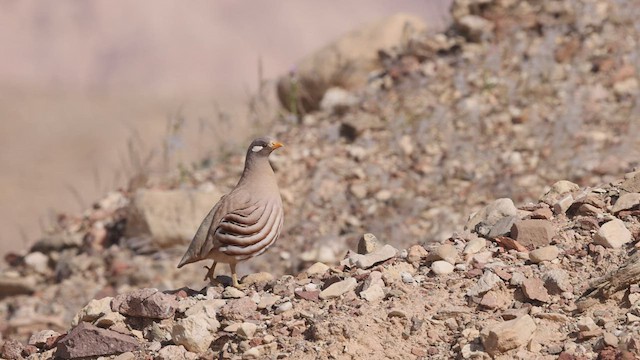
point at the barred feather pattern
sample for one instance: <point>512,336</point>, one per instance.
<point>250,231</point>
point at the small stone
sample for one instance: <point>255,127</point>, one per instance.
<point>557,190</point>
<point>175,352</point>
<point>416,254</point>
<point>586,323</point>
<point>382,254</point>
<point>626,202</point>
<point>475,28</point>
<point>41,338</point>
<point>256,278</point>
<point>487,281</point>
<point>488,216</point>
<point>253,353</point>
<point>195,333</point>
<point>239,309</point>
<point>557,281</point>
<point>87,340</point>
<point>610,340</point>
<point>148,303</point>
<point>247,330</point>
<point>337,289</point>
<point>286,306</point>
<point>534,289</point>
<point>397,313</point>
<point>12,350</point>
<point>110,319</point>
<point>95,309</point>
<point>542,213</point>
<point>589,334</point>
<point>407,278</point>
<point>369,243</point>
<point>373,293</point>
<point>533,233</point>
<point>37,261</point>
<point>267,300</point>
<point>502,337</point>
<point>588,210</point>
<point>125,356</point>
<point>442,267</point>
<point>612,234</point>
<point>496,300</point>
<point>317,269</point>
<point>446,252</point>
<point>632,318</point>
<point>562,205</point>
<point>312,295</point>
<point>501,228</point>
<point>474,246</point>
<point>231,292</point>
<point>517,279</point>
<point>546,253</point>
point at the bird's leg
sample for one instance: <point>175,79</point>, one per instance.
<point>234,277</point>
<point>211,269</point>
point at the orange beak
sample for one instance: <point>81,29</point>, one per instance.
<point>276,144</point>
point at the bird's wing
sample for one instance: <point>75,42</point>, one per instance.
<point>204,241</point>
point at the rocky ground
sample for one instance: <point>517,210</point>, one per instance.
<point>513,97</point>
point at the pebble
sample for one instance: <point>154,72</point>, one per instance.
<point>37,261</point>
<point>446,252</point>
<point>502,337</point>
<point>610,339</point>
<point>232,293</point>
<point>366,261</point>
<point>373,293</point>
<point>416,254</point>
<point>317,269</point>
<point>474,246</point>
<point>486,282</point>
<point>286,306</point>
<point>337,289</point>
<point>546,253</point>
<point>369,243</point>
<point>406,278</point>
<point>612,234</point>
<point>534,289</point>
<point>533,233</point>
<point>442,267</point>
<point>247,329</point>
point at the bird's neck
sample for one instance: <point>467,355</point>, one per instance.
<point>257,170</point>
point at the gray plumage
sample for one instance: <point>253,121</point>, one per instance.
<point>245,222</point>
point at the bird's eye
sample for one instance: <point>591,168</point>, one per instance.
<point>257,148</point>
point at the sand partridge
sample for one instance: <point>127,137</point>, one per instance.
<point>245,222</point>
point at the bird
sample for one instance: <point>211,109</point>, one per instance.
<point>245,222</point>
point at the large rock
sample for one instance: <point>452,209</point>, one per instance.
<point>626,202</point>
<point>558,190</point>
<point>336,289</point>
<point>508,335</point>
<point>346,62</point>
<point>169,216</point>
<point>87,340</point>
<point>612,234</point>
<point>148,303</point>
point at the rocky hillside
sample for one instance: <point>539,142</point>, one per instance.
<point>513,97</point>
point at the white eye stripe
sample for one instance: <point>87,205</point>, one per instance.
<point>257,148</point>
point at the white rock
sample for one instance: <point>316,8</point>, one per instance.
<point>37,261</point>
<point>373,293</point>
<point>284,307</point>
<point>612,234</point>
<point>442,267</point>
<point>486,282</point>
<point>474,246</point>
<point>195,333</point>
<point>232,293</point>
<point>95,309</point>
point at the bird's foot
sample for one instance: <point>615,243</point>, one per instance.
<point>209,275</point>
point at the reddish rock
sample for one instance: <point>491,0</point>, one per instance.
<point>148,303</point>
<point>11,350</point>
<point>534,290</point>
<point>533,233</point>
<point>510,244</point>
<point>89,340</point>
<point>308,295</point>
<point>239,309</point>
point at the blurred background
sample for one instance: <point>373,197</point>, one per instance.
<point>83,82</point>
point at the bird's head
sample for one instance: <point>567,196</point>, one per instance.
<point>263,146</point>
